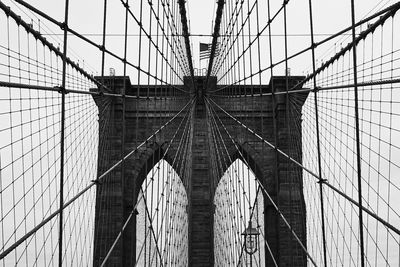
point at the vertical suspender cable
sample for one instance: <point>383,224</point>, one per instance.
<point>274,122</point>
<point>123,132</point>
<point>356,117</point>
<point>104,39</point>
<point>288,128</point>
<point>62,136</point>
<point>318,135</point>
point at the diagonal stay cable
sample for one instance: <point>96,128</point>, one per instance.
<point>372,214</point>
<point>94,182</point>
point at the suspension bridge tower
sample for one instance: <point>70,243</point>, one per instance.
<point>281,180</point>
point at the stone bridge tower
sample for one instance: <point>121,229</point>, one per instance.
<point>117,193</point>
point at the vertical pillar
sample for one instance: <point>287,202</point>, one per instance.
<point>201,246</point>
<point>112,210</point>
<point>290,195</point>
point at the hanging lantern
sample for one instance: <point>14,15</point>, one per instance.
<point>250,239</point>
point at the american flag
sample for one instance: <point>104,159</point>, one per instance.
<point>205,51</point>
